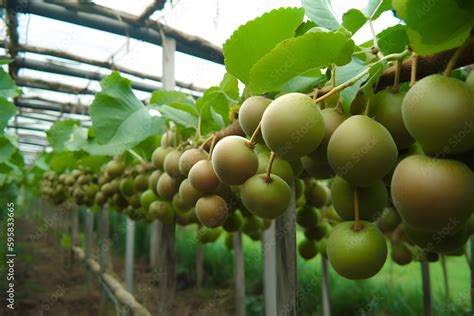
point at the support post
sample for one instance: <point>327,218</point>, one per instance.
<point>472,272</point>
<point>129,255</point>
<point>104,244</point>
<point>154,244</point>
<point>425,275</point>
<point>167,257</point>
<point>285,243</point>
<point>239,274</point>
<point>269,270</point>
<point>325,286</point>
<point>199,264</point>
<point>89,231</point>
<point>74,231</point>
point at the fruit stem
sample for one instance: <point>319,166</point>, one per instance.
<point>206,141</point>
<point>136,155</point>
<point>254,135</point>
<point>213,142</point>
<point>268,178</point>
<point>414,64</point>
<point>396,80</point>
<point>455,57</point>
<point>361,75</point>
<point>357,225</point>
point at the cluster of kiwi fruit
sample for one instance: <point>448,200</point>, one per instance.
<point>397,166</point>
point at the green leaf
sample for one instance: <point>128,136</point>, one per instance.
<point>147,146</point>
<point>353,20</point>
<point>322,13</point>
<point>345,73</point>
<point>214,102</point>
<point>295,56</point>
<point>305,82</point>
<point>166,97</point>
<point>63,160</point>
<point>60,133</point>
<point>118,117</point>
<point>304,27</point>
<point>375,8</point>
<point>230,86</point>
<point>77,139</point>
<point>7,149</point>
<point>8,86</point>
<point>393,39</point>
<point>253,40</point>
<point>94,163</point>
<point>435,26</point>
<point>7,111</point>
<point>178,116</point>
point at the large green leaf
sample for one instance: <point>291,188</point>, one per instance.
<point>160,97</point>
<point>230,86</point>
<point>8,87</point>
<point>304,82</point>
<point>254,39</point>
<point>322,13</point>
<point>178,114</point>
<point>93,162</point>
<point>7,149</point>
<point>353,20</point>
<point>7,110</point>
<point>60,133</point>
<point>393,39</point>
<point>61,161</point>
<point>118,117</point>
<point>295,56</point>
<point>435,26</point>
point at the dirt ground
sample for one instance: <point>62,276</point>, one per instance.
<point>49,283</point>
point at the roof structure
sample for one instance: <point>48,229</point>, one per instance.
<point>59,79</point>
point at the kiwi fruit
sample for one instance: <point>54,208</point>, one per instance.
<point>358,105</point>
<point>429,193</point>
<point>114,169</point>
<point>292,126</point>
<point>100,199</point>
<point>233,222</point>
<point>228,242</point>
<point>141,183</point>
<point>316,193</point>
<point>320,169</point>
<point>188,193</point>
<point>171,164</point>
<point>153,180</point>
<point>470,81</point>
<point>167,187</point>
<point>266,197</point>
<point>134,200</point>
<point>168,138</point>
<point>307,216</point>
<point>401,254</point>
<point>356,254</point>
<point>307,249</point>
<point>179,205</point>
<point>234,160</point>
<point>250,115</point>
<point>189,158</point>
<point>211,211</point>
<point>361,151</point>
<point>442,241</point>
<point>158,157</point>
<point>386,108</point>
<point>162,211</point>
<point>203,177</point>
<point>332,119</point>
<point>318,232</point>
<point>209,235</point>
<point>388,220</point>
<point>280,167</point>
<point>127,186</point>
<point>438,112</point>
<point>147,197</point>
<point>372,199</point>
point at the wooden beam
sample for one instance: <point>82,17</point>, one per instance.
<point>105,19</point>
<point>52,86</point>
<point>97,63</point>
<point>32,103</point>
<point>74,72</point>
<point>152,8</point>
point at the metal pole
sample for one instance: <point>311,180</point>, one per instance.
<point>239,274</point>
<point>129,255</point>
